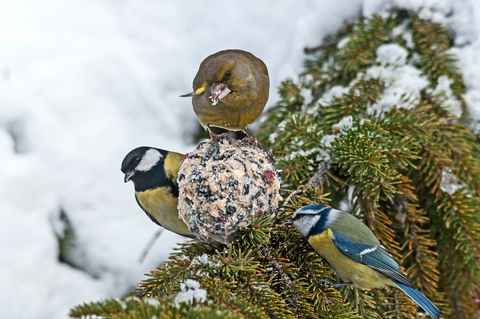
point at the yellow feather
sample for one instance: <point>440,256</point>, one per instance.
<point>162,205</point>
<point>172,165</point>
<point>200,90</point>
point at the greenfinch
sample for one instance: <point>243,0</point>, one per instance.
<point>154,173</point>
<point>230,90</point>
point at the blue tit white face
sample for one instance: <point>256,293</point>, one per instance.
<point>313,219</point>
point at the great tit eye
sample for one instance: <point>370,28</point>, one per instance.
<point>227,74</point>
<point>137,159</point>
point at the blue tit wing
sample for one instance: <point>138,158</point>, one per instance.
<point>374,256</point>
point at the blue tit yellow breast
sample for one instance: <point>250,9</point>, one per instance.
<point>161,205</point>
<point>346,268</point>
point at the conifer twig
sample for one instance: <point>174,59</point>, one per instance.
<point>466,227</point>
<point>286,279</point>
<point>321,47</point>
<point>318,177</point>
<point>292,194</point>
<point>328,302</point>
<point>149,246</point>
<point>316,180</point>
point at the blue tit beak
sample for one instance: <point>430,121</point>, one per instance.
<point>129,175</point>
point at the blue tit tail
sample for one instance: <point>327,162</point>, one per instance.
<point>421,300</point>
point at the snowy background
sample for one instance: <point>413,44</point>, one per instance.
<point>82,83</point>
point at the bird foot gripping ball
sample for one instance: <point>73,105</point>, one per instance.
<point>224,185</point>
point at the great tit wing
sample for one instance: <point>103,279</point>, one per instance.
<point>374,256</point>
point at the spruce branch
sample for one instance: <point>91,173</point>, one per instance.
<point>321,47</point>
<point>285,279</point>
<point>338,143</point>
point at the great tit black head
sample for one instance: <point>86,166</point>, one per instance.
<point>139,165</point>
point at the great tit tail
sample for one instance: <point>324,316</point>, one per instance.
<point>421,300</point>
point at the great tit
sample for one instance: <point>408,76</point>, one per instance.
<point>154,173</point>
<point>230,90</point>
<point>354,253</point>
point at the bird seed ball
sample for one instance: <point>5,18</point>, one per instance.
<point>224,185</point>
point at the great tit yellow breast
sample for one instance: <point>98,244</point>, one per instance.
<point>160,204</point>
<point>346,268</point>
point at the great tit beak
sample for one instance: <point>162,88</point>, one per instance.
<point>129,175</point>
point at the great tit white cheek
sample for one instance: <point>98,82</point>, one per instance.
<point>150,159</point>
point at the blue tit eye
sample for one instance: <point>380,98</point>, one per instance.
<point>227,74</point>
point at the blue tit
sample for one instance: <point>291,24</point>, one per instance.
<point>154,173</point>
<point>354,253</point>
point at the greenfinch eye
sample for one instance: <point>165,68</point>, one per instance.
<point>227,74</point>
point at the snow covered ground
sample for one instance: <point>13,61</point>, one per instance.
<point>82,83</point>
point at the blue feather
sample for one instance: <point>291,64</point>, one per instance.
<point>379,259</point>
<point>375,256</point>
<point>420,299</point>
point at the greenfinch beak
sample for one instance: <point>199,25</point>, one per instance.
<point>219,91</point>
<point>198,91</point>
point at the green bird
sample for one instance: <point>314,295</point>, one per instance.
<point>230,90</point>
